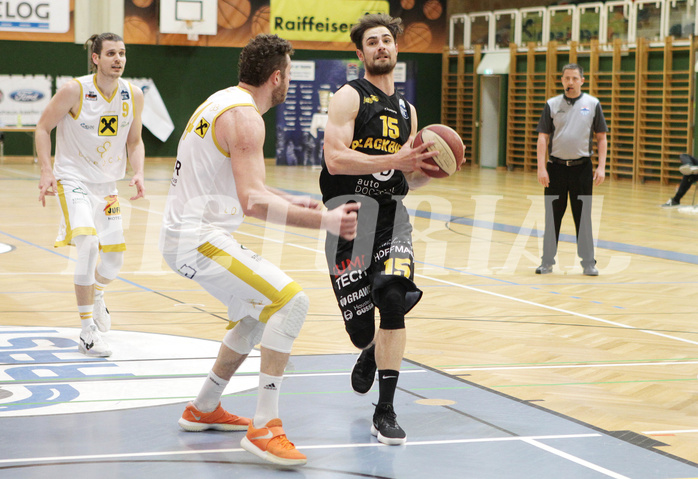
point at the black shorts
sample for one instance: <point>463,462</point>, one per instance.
<point>358,276</point>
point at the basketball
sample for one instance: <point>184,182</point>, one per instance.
<point>417,37</point>
<point>433,9</point>
<point>260,21</point>
<point>233,13</point>
<point>407,4</point>
<point>142,3</point>
<point>137,30</point>
<point>449,145</point>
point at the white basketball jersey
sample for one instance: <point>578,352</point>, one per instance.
<point>203,197</point>
<point>91,146</point>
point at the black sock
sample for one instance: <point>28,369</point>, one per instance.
<point>387,383</point>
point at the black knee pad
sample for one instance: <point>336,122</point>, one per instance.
<point>390,300</point>
<point>361,337</point>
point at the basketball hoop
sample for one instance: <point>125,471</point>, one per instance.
<point>191,35</point>
<point>189,17</point>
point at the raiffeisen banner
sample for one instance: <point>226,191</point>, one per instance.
<point>35,16</point>
<point>310,20</point>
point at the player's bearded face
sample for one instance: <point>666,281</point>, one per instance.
<point>278,95</point>
<point>382,64</point>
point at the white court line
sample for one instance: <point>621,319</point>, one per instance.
<point>503,296</point>
<point>569,457</point>
<point>572,366</point>
<point>326,446</point>
<point>683,431</point>
<point>558,310</point>
<point>101,379</point>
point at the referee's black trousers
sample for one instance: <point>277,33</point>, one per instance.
<point>576,182</point>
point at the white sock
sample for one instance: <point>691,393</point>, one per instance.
<point>99,289</point>
<point>86,316</point>
<point>210,394</point>
<point>267,399</point>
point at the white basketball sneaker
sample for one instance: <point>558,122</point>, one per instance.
<point>101,314</point>
<point>92,344</point>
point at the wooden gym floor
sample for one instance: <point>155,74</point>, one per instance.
<point>617,352</point>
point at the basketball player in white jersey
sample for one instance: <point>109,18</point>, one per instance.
<point>219,177</point>
<point>98,121</point>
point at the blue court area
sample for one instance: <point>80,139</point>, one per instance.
<point>455,429</point>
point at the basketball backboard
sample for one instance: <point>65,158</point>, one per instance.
<point>189,17</point>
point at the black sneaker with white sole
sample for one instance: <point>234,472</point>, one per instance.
<point>385,426</point>
<point>364,373</point>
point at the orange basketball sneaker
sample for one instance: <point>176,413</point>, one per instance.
<point>194,420</point>
<point>270,443</point>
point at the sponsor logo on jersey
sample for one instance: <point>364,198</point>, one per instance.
<point>403,109</point>
<point>364,309</point>
<point>187,271</point>
<point>351,277</point>
<point>202,128</point>
<point>26,95</point>
<point>585,110</point>
<point>85,126</point>
<point>350,264</point>
<point>108,125</point>
<point>384,175</point>
<point>125,95</point>
<point>355,296</point>
<point>112,208</point>
<point>371,99</point>
<point>384,145</point>
<point>91,96</point>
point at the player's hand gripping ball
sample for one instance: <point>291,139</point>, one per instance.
<point>449,145</point>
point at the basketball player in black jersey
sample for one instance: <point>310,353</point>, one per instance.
<point>369,159</point>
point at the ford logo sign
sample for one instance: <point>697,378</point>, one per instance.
<point>26,95</point>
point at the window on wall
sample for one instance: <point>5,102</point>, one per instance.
<point>589,21</point>
<point>532,25</point>
<point>648,20</point>
<point>617,21</point>
<point>457,31</point>
<point>561,24</point>
<point>680,18</point>
<point>505,28</point>
<point>480,29</point>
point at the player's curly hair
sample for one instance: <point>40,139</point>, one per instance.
<point>94,45</point>
<point>262,56</point>
<point>374,20</point>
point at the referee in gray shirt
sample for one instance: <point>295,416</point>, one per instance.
<point>566,130</point>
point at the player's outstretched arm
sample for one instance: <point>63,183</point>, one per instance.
<point>241,132</point>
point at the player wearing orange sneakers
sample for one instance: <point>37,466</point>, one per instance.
<point>219,177</point>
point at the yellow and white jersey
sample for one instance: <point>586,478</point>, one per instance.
<point>203,198</point>
<point>91,146</point>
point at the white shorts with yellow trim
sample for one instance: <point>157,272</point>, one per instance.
<point>245,282</point>
<point>90,209</point>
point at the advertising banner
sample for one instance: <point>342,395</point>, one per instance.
<point>308,24</point>
<point>23,98</point>
<point>301,120</point>
<point>320,21</point>
<point>35,16</point>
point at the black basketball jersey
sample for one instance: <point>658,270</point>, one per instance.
<point>382,126</point>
